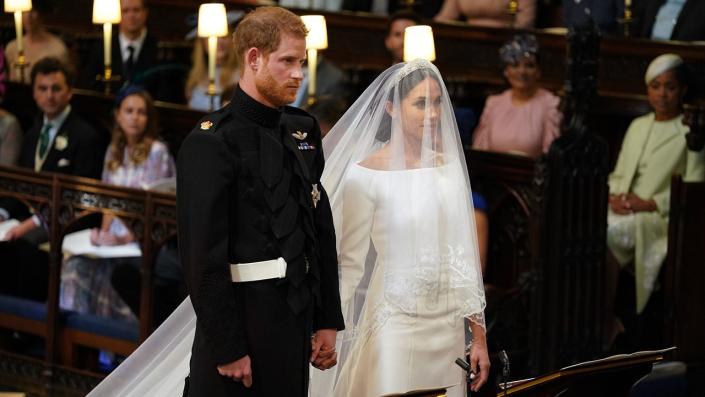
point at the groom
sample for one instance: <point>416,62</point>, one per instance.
<point>256,232</point>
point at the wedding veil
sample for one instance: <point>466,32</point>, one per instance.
<point>399,190</point>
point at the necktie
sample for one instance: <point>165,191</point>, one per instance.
<point>130,63</point>
<point>44,140</point>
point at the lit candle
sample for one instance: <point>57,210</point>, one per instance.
<point>627,3</point>
<point>18,29</point>
<point>107,43</point>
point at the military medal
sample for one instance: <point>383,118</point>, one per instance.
<point>300,135</point>
<point>315,195</point>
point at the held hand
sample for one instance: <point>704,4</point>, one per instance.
<point>479,362</point>
<point>637,204</point>
<point>323,355</point>
<point>619,204</point>
<point>239,371</point>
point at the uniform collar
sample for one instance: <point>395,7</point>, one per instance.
<point>253,110</point>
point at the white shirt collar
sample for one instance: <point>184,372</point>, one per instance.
<point>57,122</point>
<point>136,44</point>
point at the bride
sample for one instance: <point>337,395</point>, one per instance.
<point>410,275</point>
<point>409,267</point>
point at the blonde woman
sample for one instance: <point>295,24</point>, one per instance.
<point>227,73</point>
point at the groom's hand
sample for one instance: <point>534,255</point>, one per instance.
<point>323,355</point>
<point>239,370</point>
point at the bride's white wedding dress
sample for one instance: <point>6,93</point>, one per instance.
<point>410,329</point>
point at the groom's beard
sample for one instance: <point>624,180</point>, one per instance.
<point>276,93</point>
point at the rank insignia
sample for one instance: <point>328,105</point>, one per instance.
<point>300,135</point>
<point>206,125</point>
<point>315,195</point>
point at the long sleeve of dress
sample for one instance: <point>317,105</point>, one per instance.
<point>358,215</point>
<point>552,124</point>
<point>481,138</point>
<point>205,190</point>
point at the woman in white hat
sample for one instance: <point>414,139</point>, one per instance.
<point>654,148</point>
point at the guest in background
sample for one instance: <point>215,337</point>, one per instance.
<point>525,118</point>
<point>10,131</point>
<point>482,225</point>
<point>394,41</point>
<point>135,158</point>
<point>426,8</point>
<point>327,5</point>
<point>654,148</point>
<point>603,12</point>
<point>227,70</point>
<point>488,13</point>
<point>671,19</point>
<point>134,50</point>
<point>330,80</point>
<point>38,43</point>
<point>327,110</point>
<point>10,138</point>
<point>60,141</point>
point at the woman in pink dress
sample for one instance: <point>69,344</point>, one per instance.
<point>524,119</point>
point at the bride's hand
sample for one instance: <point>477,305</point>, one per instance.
<point>479,359</point>
<point>323,355</point>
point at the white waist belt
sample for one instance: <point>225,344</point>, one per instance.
<point>255,271</point>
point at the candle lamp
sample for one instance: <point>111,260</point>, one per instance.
<point>212,23</point>
<point>18,7</point>
<point>418,43</point>
<point>107,12</point>
<point>316,39</point>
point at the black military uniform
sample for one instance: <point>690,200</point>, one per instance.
<point>249,191</point>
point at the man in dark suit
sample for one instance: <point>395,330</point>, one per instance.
<point>134,50</point>
<point>671,20</point>
<point>256,235</point>
<point>59,141</point>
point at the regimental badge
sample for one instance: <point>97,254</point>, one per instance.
<point>315,195</point>
<point>206,125</point>
<point>61,142</point>
<point>300,135</point>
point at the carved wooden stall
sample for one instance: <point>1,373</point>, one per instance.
<point>66,202</point>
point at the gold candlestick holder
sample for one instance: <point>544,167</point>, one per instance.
<point>212,92</point>
<point>20,65</point>
<point>626,21</point>
<point>108,78</point>
<point>513,10</point>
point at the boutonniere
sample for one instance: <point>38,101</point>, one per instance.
<point>61,142</point>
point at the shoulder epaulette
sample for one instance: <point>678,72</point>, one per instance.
<point>210,122</point>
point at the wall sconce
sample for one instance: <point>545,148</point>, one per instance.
<point>212,23</point>
<point>107,12</point>
<point>418,43</point>
<point>18,7</point>
<point>316,39</point>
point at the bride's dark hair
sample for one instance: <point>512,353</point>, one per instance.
<point>405,85</point>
